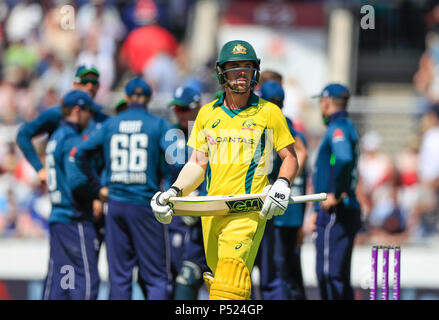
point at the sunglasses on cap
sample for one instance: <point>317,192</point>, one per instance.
<point>185,108</point>
<point>89,80</point>
<point>139,94</point>
<point>87,108</point>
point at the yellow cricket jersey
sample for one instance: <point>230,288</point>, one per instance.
<point>239,143</point>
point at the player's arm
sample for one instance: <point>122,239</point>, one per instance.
<point>46,122</point>
<point>342,161</point>
<point>76,179</point>
<point>190,176</point>
<point>301,153</point>
<point>278,194</point>
<point>290,164</point>
<point>188,180</point>
<point>83,159</point>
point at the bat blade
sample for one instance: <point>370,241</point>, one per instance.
<point>229,204</point>
<point>216,205</point>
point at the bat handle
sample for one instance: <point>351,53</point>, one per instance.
<point>308,197</point>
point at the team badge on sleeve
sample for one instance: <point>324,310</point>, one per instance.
<point>338,136</point>
<point>72,154</point>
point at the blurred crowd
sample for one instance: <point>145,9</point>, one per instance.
<point>400,194</point>
<point>42,42</point>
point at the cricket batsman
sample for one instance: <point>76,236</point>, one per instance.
<point>233,138</point>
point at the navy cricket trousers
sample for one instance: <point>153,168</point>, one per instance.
<point>279,262</point>
<point>73,264</point>
<point>336,233</point>
<point>134,237</point>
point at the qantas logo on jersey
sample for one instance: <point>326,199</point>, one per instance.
<point>213,141</point>
<point>338,136</point>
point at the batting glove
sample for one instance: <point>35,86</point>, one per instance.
<point>277,199</point>
<point>159,204</point>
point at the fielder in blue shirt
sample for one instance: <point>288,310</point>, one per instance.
<point>73,264</point>
<point>86,79</point>
<point>279,254</point>
<point>188,259</point>
<point>339,217</point>
<point>134,145</point>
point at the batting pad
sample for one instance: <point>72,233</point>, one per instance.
<point>231,282</point>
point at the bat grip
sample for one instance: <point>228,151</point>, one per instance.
<point>308,197</point>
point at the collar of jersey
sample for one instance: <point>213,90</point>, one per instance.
<point>336,115</point>
<point>137,106</point>
<point>72,125</point>
<point>253,100</point>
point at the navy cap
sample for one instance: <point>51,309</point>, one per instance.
<point>137,86</point>
<point>79,98</point>
<point>82,70</point>
<point>186,97</point>
<point>334,90</point>
<point>272,90</point>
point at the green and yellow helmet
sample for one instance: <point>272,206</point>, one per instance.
<point>237,50</point>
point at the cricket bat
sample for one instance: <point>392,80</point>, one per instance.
<point>226,205</point>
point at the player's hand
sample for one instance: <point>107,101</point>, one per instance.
<point>300,236</point>
<point>310,224</point>
<point>98,209</point>
<point>330,202</point>
<point>277,200</point>
<point>159,204</point>
<point>103,194</point>
<point>42,175</point>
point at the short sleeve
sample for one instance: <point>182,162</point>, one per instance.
<point>197,139</point>
<point>281,133</point>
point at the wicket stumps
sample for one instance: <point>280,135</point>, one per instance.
<point>385,273</point>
